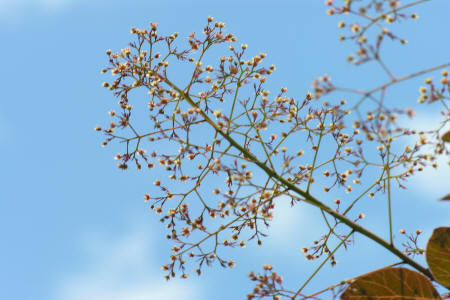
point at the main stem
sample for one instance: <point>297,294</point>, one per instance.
<point>306,195</point>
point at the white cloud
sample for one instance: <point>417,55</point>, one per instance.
<point>293,224</point>
<point>122,269</point>
<point>13,9</point>
<point>28,3</point>
<point>286,218</point>
<point>426,120</point>
<point>431,182</point>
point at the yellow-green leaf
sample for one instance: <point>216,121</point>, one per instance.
<point>438,255</point>
<point>446,198</point>
<point>446,137</point>
<point>391,284</point>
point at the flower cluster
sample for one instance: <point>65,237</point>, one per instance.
<point>432,93</point>
<point>228,149</point>
<point>411,247</point>
<point>177,112</point>
<point>269,284</point>
<point>376,17</point>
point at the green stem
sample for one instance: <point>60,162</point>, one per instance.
<point>388,171</point>
<point>321,265</point>
<point>315,156</point>
<point>374,20</point>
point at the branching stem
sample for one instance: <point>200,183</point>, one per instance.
<point>321,265</point>
<point>307,197</point>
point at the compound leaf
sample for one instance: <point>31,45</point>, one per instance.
<point>391,284</point>
<point>438,255</point>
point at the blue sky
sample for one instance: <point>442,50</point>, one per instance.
<point>74,227</point>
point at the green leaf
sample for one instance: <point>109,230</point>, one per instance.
<point>391,284</point>
<point>438,255</point>
<point>446,137</point>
